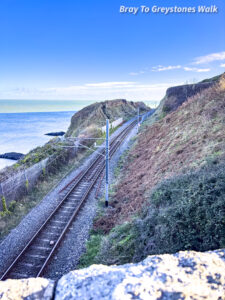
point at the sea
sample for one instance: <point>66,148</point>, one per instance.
<point>24,123</point>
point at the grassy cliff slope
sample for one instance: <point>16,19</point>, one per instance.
<point>92,117</point>
<point>170,195</point>
<point>184,139</point>
<point>176,96</point>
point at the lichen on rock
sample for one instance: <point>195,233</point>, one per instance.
<point>185,275</point>
<point>32,289</point>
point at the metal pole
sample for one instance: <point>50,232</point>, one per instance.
<point>107,165</point>
<point>138,119</point>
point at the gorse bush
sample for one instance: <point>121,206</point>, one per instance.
<point>92,250</point>
<point>183,213</point>
<point>118,247</point>
<point>5,210</point>
<point>4,205</point>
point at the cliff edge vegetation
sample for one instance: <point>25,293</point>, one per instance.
<point>91,118</point>
<point>176,96</point>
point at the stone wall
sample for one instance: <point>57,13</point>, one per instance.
<point>184,275</point>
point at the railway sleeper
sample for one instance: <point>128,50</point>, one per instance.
<point>32,257</point>
<point>15,275</point>
<point>59,222</point>
<point>68,189</point>
<point>72,199</point>
<point>76,193</point>
<point>54,227</point>
<point>26,264</point>
<point>41,249</point>
<point>23,270</point>
<point>83,183</point>
<point>69,207</point>
<point>45,242</point>
<point>50,234</point>
<point>66,212</point>
<point>31,263</point>
<point>63,218</point>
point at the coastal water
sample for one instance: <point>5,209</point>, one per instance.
<point>21,132</point>
<point>21,106</point>
<point>23,123</point>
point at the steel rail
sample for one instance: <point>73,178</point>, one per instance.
<point>96,176</point>
<point>114,145</point>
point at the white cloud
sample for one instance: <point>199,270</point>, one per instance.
<point>110,84</point>
<point>209,58</point>
<point>196,70</point>
<point>93,91</point>
<point>162,68</point>
<point>222,65</point>
<point>203,70</point>
<point>136,73</point>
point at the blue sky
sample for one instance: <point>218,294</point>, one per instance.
<point>87,49</point>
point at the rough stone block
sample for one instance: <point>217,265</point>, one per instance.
<point>29,289</point>
<point>184,275</point>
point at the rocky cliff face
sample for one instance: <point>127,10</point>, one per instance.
<point>176,96</point>
<point>184,275</point>
<point>93,116</point>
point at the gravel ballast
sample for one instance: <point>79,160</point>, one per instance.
<point>67,256</point>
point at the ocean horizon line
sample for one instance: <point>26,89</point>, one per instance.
<point>37,106</point>
<point>39,112</point>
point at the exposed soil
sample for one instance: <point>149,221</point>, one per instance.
<point>183,140</point>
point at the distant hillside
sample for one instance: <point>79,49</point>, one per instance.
<point>92,117</point>
<point>176,96</point>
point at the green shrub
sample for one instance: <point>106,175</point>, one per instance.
<point>92,249</point>
<point>43,171</point>
<point>183,213</point>
<point>119,246</point>
<point>27,184</point>
<point>12,206</point>
<point>4,207</point>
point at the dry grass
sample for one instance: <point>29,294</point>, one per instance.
<point>184,139</point>
<point>21,208</point>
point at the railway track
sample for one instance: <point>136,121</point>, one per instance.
<point>36,255</point>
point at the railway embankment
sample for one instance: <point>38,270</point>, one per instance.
<point>67,257</point>
<point>24,184</point>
